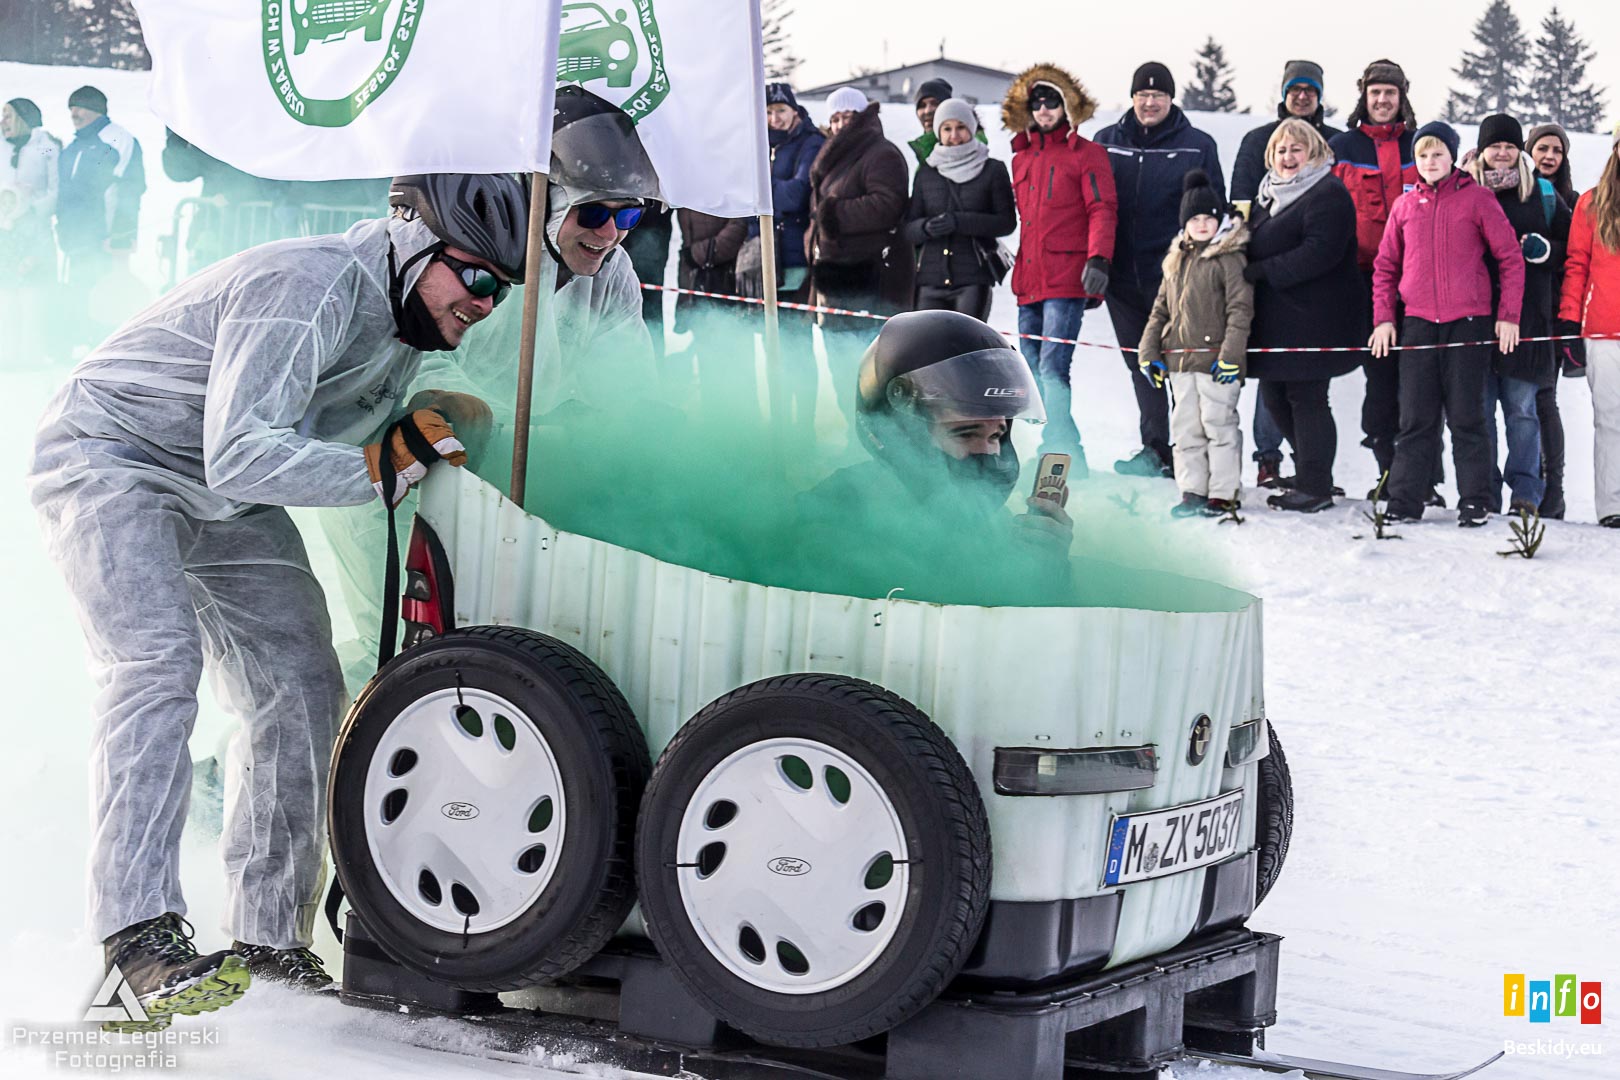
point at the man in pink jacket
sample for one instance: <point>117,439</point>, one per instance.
<point>1437,253</point>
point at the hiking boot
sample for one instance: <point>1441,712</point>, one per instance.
<point>1300,501</point>
<point>1269,475</point>
<point>1435,499</point>
<point>1610,522</point>
<point>1193,505</point>
<point>1401,514</point>
<point>1145,462</point>
<point>299,968</point>
<point>1552,505</point>
<point>1472,515</point>
<point>1220,507</point>
<point>1524,506</point>
<point>168,975</point>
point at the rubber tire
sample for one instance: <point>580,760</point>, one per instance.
<point>945,825</point>
<point>603,763</point>
<point>1274,822</point>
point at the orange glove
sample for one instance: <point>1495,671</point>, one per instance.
<point>407,469</point>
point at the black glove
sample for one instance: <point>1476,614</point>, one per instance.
<point>1094,278</point>
<point>1254,273</point>
<point>940,225</point>
<point>1572,351</point>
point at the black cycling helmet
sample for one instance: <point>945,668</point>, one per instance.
<point>935,365</point>
<point>486,215</point>
<point>596,154</point>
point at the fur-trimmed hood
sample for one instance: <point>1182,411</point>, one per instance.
<point>1232,237</point>
<point>1077,104</point>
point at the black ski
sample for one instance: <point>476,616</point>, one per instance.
<point>1328,1070</point>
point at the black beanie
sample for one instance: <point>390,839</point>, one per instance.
<point>780,93</point>
<point>26,111</point>
<point>88,97</point>
<point>1153,76</point>
<point>1500,128</point>
<point>938,89</point>
<point>1198,196</point>
<point>1442,131</point>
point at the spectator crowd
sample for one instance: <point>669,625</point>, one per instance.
<point>1461,281</point>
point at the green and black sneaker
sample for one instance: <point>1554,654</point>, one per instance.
<point>168,976</point>
<point>298,968</point>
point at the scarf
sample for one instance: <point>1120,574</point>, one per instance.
<point>1500,179</point>
<point>1278,195</point>
<point>960,163</point>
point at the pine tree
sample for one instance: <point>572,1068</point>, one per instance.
<point>1496,70</point>
<point>1558,85</point>
<point>1211,90</point>
<point>780,61</point>
<point>89,33</point>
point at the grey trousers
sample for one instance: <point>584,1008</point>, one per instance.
<point>1209,440</point>
<point>1603,379</point>
<point>158,591</point>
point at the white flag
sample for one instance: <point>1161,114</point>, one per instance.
<point>340,89</point>
<point>689,72</point>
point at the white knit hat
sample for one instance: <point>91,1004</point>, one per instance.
<point>959,110</point>
<point>846,99</point>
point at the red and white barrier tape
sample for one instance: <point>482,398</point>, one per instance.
<point>792,306</point>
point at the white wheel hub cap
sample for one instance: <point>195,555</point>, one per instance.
<point>464,811</point>
<point>792,866</point>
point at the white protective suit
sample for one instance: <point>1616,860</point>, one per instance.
<point>159,473</point>
<point>592,347</point>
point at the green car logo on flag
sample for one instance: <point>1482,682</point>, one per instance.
<point>623,49</point>
<point>352,55</point>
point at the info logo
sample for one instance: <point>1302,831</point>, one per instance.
<point>1541,1000</point>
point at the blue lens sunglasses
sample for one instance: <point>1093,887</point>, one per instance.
<point>595,215</point>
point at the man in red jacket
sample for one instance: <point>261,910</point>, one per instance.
<point>1068,210</point>
<point>1374,159</point>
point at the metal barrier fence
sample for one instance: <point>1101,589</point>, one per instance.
<point>207,230</point>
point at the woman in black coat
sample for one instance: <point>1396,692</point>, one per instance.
<point>961,201</point>
<point>1307,293</point>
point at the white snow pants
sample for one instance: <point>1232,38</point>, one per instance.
<point>157,590</point>
<point>1208,437</point>
<point>1603,379</point>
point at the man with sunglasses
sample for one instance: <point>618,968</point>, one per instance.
<point>161,473</point>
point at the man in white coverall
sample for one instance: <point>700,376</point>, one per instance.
<point>160,474</point>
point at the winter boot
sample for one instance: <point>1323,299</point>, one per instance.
<point>1300,501</point>
<point>1220,507</point>
<point>168,976</point>
<point>1145,462</point>
<point>1269,475</point>
<point>298,968</point>
<point>1471,515</point>
<point>1190,505</point>
<point>1552,504</point>
<point>1612,521</point>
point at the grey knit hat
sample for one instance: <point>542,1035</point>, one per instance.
<point>956,109</point>
<point>1302,71</point>
<point>1541,131</point>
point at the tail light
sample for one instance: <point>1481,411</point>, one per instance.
<point>428,606</point>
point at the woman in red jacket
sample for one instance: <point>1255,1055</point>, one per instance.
<point>1590,307</point>
<point>1434,256</point>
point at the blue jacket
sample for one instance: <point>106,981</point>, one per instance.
<point>102,180</point>
<point>1148,166</point>
<point>790,188</point>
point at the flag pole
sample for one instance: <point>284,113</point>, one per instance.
<point>531,317</point>
<point>767,258</point>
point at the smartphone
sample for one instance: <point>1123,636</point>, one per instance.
<point>1052,478</point>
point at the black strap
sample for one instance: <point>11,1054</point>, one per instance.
<point>388,476</point>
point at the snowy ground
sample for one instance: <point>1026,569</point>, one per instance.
<point>1447,714</point>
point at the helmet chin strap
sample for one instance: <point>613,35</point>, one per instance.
<point>396,278</point>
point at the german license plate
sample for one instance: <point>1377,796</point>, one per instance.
<point>1164,842</point>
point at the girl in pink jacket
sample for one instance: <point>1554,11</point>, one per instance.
<point>1433,262</point>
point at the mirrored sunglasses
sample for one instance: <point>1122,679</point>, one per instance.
<point>595,215</point>
<point>477,280</point>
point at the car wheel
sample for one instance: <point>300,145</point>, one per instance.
<point>482,808</point>
<point>1274,822</point>
<point>814,859</point>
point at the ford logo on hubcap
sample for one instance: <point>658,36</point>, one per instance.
<point>459,811</point>
<point>788,867</point>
